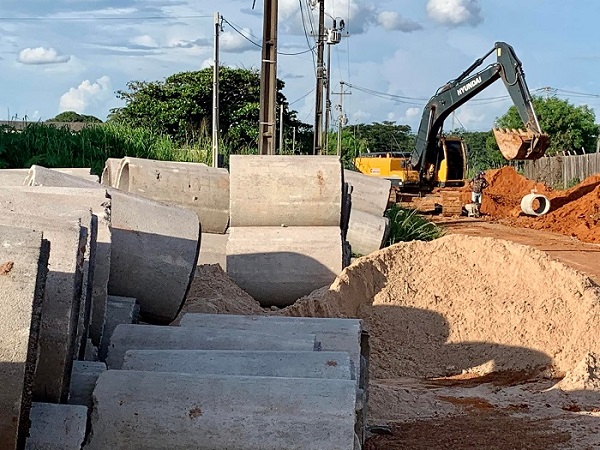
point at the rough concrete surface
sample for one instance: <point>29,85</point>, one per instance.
<point>334,365</point>
<point>57,427</point>
<point>119,310</point>
<point>83,381</point>
<point>369,194</point>
<point>152,337</point>
<point>277,265</point>
<point>195,186</point>
<point>153,410</point>
<point>284,190</point>
<point>23,269</point>
<point>366,232</point>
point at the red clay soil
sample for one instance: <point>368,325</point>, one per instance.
<point>573,212</point>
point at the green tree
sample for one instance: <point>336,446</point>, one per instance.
<point>569,127</point>
<point>181,106</point>
<point>72,116</point>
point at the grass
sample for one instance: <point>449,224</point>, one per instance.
<point>408,225</point>
<point>51,147</point>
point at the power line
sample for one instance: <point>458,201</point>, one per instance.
<point>87,19</point>
<point>303,97</point>
<point>306,34</point>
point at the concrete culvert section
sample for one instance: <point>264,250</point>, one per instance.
<point>535,204</point>
<point>463,304</point>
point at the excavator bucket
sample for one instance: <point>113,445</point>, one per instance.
<point>521,144</point>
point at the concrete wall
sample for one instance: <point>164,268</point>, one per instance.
<point>23,269</point>
<point>278,265</point>
<point>303,191</point>
<point>198,187</point>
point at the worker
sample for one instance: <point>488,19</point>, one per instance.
<point>478,184</point>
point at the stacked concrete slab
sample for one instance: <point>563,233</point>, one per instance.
<point>367,228</point>
<point>17,177</point>
<point>57,427</point>
<point>221,381</point>
<point>23,268</point>
<point>285,238</point>
<point>154,249</point>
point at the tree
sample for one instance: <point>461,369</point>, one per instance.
<point>569,127</point>
<point>72,116</point>
<point>181,106</point>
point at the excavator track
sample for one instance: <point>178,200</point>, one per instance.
<point>444,201</point>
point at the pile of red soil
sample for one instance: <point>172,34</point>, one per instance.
<point>573,212</point>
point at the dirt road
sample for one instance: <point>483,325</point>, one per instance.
<point>572,252</point>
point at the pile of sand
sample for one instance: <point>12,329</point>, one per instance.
<point>464,304</point>
<point>574,212</point>
<point>213,292</point>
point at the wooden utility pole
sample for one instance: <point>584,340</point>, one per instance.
<point>342,119</point>
<point>318,139</point>
<point>268,79</point>
<point>215,114</point>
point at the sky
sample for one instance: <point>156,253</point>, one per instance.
<point>64,55</point>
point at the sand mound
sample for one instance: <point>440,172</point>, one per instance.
<point>464,304</point>
<point>213,292</point>
<point>574,212</point>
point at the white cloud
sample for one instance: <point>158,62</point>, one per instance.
<point>455,12</point>
<point>42,55</point>
<point>144,41</point>
<point>393,21</point>
<point>209,62</point>
<point>85,95</point>
<point>232,41</point>
<point>412,112</point>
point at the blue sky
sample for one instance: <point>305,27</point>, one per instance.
<point>73,55</point>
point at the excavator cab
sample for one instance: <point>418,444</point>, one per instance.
<point>452,168</point>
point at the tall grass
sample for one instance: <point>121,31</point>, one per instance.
<point>50,146</point>
<point>408,225</point>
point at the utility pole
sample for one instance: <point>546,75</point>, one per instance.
<point>318,138</point>
<point>281,107</point>
<point>215,115</point>
<point>334,37</point>
<point>268,79</point>
<point>342,118</point>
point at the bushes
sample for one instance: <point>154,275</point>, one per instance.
<point>50,146</point>
<point>407,225</point>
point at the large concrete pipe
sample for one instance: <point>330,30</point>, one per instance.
<point>535,204</point>
<point>158,410</point>
<point>154,247</point>
<point>278,265</point>
<point>366,232</point>
<point>23,269</point>
<point>369,194</point>
<point>198,187</point>
<point>110,172</point>
<point>293,191</point>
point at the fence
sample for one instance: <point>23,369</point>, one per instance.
<point>563,171</point>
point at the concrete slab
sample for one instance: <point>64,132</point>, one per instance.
<point>60,310</point>
<point>331,365</point>
<point>154,250</point>
<point>284,190</point>
<point>339,335</point>
<point>195,186</point>
<point>213,249</point>
<point>179,411</point>
<point>152,337</point>
<point>57,427</point>
<point>278,265</point>
<point>97,200</point>
<point>119,310</point>
<point>17,177</point>
<point>369,194</point>
<point>366,232</point>
<point>83,381</point>
<point>23,270</point>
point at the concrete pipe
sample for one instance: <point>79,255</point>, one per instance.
<point>110,172</point>
<point>154,248</point>
<point>198,187</point>
<point>278,265</point>
<point>535,204</point>
<point>366,232</point>
<point>369,194</point>
<point>294,191</point>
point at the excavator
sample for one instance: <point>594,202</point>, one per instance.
<point>440,161</point>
